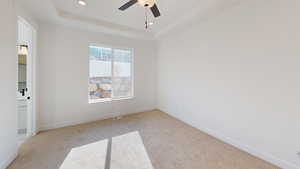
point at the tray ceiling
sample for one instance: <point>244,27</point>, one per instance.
<point>105,13</point>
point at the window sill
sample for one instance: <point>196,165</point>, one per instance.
<point>109,100</point>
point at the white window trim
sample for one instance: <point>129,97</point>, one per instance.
<point>91,101</point>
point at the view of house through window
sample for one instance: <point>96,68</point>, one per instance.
<point>110,73</point>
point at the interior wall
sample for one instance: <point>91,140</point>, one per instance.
<point>8,85</point>
<point>236,76</point>
<point>24,13</point>
<point>63,68</point>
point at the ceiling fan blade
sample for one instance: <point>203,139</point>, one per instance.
<point>155,11</point>
<point>128,4</point>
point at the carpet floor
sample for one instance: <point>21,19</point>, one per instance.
<point>149,140</point>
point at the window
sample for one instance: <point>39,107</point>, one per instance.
<point>110,74</point>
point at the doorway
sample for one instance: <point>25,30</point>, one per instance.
<point>25,85</point>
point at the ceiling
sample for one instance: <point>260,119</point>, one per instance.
<point>105,14</point>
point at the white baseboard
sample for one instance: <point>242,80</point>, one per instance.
<point>73,123</point>
<point>45,127</point>
<point>249,149</point>
<point>4,164</point>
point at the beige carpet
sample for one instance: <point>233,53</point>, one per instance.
<point>150,140</point>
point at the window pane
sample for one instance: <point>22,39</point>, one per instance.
<point>122,82</point>
<point>100,80</point>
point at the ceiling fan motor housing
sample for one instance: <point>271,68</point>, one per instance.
<point>147,3</point>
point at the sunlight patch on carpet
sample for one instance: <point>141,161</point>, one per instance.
<point>129,152</point>
<point>121,152</point>
<point>90,156</point>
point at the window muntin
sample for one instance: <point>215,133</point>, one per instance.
<point>110,74</point>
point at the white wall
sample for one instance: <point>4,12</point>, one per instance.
<point>26,15</point>
<point>236,76</point>
<point>63,76</point>
<point>8,85</point>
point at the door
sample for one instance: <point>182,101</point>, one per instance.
<point>24,92</point>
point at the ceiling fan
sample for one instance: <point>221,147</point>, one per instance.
<point>145,3</point>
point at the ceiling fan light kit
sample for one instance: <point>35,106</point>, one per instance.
<point>147,4</point>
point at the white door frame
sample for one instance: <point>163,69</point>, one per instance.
<point>31,76</point>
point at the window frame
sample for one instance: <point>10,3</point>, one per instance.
<point>113,48</point>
